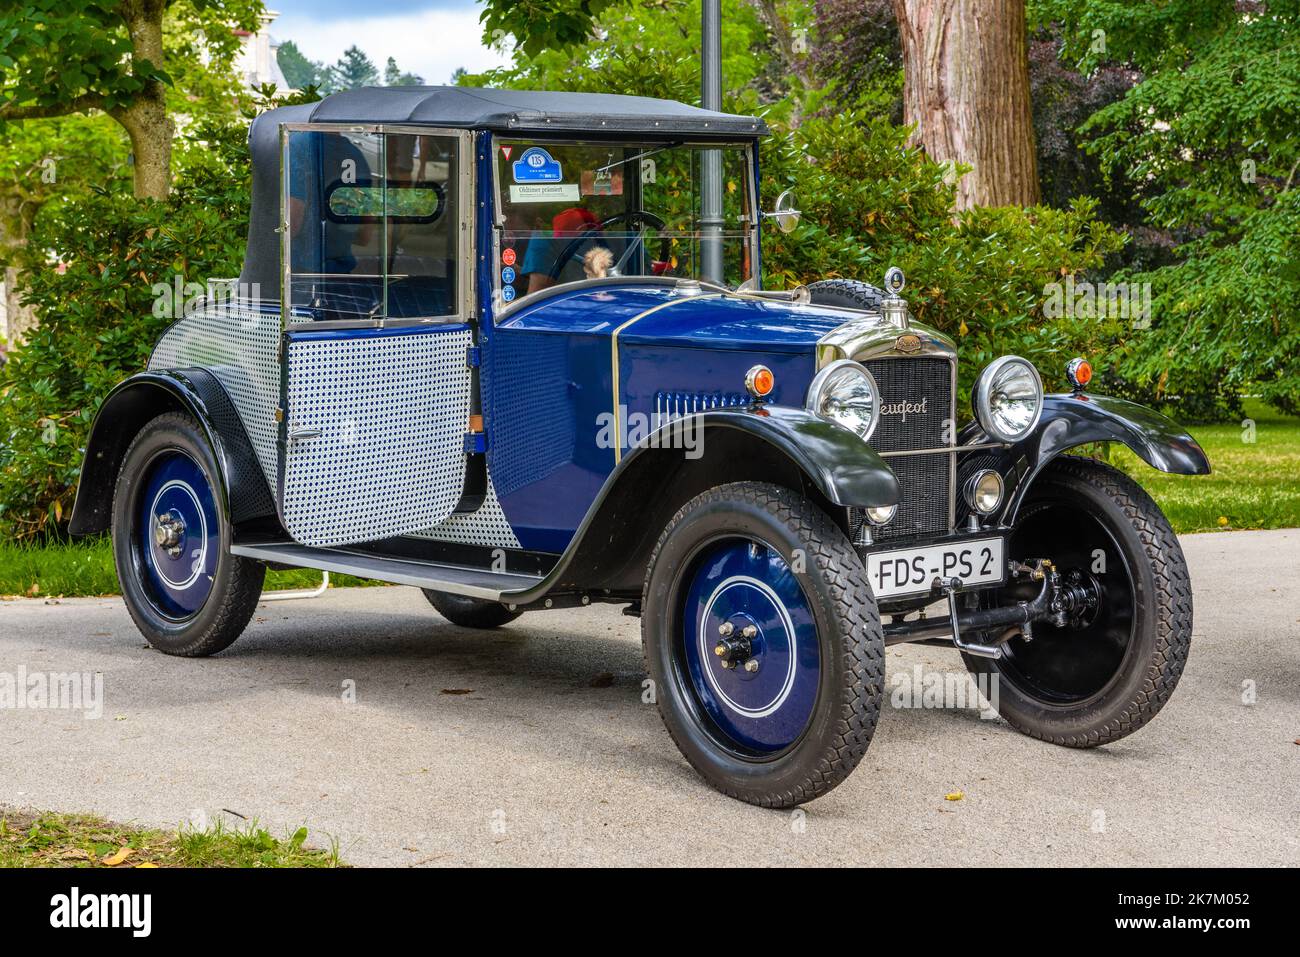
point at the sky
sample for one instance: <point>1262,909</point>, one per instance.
<point>428,37</point>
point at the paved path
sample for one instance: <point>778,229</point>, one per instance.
<point>551,758</point>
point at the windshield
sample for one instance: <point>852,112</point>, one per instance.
<point>577,211</point>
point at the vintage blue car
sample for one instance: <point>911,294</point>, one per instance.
<point>513,348</point>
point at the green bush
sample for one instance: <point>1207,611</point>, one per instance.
<point>93,263</point>
<point>871,201</point>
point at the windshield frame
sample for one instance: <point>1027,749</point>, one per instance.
<point>501,308</point>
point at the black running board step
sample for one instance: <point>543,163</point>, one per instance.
<point>455,579</point>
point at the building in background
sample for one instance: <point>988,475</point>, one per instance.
<point>257,62</point>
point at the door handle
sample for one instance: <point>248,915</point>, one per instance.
<point>303,432</point>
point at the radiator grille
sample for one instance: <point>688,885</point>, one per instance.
<point>916,411</point>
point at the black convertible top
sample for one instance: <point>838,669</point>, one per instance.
<point>459,107</point>
<point>527,111</point>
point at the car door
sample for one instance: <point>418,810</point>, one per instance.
<point>376,345</point>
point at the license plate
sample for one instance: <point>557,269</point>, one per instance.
<point>909,571</point>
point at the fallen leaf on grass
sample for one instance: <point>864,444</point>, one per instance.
<point>953,796</point>
<point>115,859</point>
<point>457,690</point>
<point>146,864</point>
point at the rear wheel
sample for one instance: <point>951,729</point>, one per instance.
<point>470,612</point>
<point>1112,667</point>
<point>171,543</point>
<point>764,644</point>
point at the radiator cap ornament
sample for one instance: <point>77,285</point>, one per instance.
<point>894,281</point>
<point>893,307</point>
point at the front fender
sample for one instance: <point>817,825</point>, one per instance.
<point>843,467</point>
<point>130,406</point>
<point>662,472</point>
<point>1069,421</point>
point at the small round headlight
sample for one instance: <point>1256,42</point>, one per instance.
<point>882,515</point>
<point>984,491</point>
<point>1008,398</point>
<point>846,393</point>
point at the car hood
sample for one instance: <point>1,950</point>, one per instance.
<point>645,314</point>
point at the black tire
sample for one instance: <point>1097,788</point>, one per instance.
<point>235,583</point>
<point>846,294</point>
<point>832,581</point>
<point>470,612</point>
<point>1056,688</point>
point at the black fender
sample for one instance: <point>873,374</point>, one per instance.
<point>1070,420</point>
<point>242,492</point>
<point>779,444</point>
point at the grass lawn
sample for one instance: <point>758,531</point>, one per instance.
<point>1253,484</point>
<point>86,568</point>
<point>82,840</point>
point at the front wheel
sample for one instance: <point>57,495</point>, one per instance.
<point>1109,668</point>
<point>171,543</point>
<point>764,644</point>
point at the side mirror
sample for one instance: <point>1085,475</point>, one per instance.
<point>785,214</point>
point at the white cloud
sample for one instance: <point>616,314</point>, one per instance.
<point>432,43</point>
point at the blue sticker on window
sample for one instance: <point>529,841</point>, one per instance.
<point>508,274</point>
<point>507,293</point>
<point>536,166</point>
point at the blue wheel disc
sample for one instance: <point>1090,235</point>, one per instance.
<point>740,585</point>
<point>177,566</point>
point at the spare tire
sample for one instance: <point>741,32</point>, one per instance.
<point>846,294</point>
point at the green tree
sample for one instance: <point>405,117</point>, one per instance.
<point>59,57</point>
<point>298,70</point>
<point>393,76</point>
<point>354,69</point>
<point>540,25</point>
<point>1212,129</point>
<point>44,161</point>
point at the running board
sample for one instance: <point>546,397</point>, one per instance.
<point>454,579</point>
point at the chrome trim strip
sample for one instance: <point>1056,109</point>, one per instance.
<point>613,350</point>
<point>958,449</point>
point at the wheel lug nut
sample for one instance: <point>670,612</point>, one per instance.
<point>751,665</point>
<point>749,631</point>
<point>719,650</point>
<point>725,629</point>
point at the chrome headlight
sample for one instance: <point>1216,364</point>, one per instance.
<point>846,393</point>
<point>1008,398</point>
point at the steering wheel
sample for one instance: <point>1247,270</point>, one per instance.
<point>633,217</point>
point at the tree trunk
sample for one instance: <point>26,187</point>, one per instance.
<point>966,87</point>
<point>18,318</point>
<point>146,119</point>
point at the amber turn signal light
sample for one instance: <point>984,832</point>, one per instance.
<point>1079,372</point>
<point>759,381</point>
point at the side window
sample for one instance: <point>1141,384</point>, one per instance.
<point>373,225</point>
<point>423,224</point>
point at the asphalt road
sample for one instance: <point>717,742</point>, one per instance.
<point>550,757</point>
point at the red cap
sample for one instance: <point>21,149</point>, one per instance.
<point>573,221</point>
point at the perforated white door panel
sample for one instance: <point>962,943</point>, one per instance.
<point>392,409</point>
